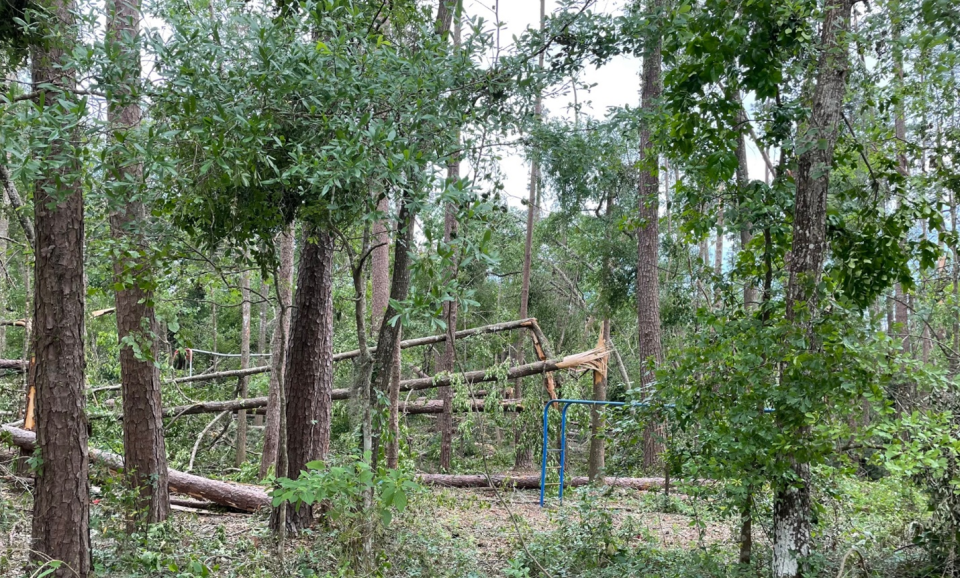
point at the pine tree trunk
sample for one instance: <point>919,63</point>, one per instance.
<point>648,282</point>
<point>284,289</point>
<point>380,266</point>
<point>791,507</point>
<point>244,389</point>
<point>144,450</point>
<point>61,505</point>
<point>308,378</point>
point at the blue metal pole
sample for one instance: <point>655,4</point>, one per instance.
<point>543,460</point>
<point>563,446</point>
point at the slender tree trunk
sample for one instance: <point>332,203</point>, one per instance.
<point>791,504</point>
<point>284,281</point>
<point>746,229</point>
<point>524,452</point>
<point>61,505</point>
<point>718,251</point>
<point>213,320</point>
<point>144,451</point>
<point>389,335</point>
<point>16,203</point>
<point>901,310</point>
<point>393,412</point>
<point>750,303</point>
<point>244,389</point>
<point>648,282</point>
<point>380,266</point>
<point>448,359</point>
<point>596,459</point>
<point>261,335</point>
<point>308,378</point>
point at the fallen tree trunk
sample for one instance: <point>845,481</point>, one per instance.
<point>14,364</point>
<point>586,360</point>
<point>531,482</point>
<point>236,496</point>
<point>413,407</point>
<point>531,323</point>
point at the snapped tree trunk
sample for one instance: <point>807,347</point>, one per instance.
<point>648,282</point>
<point>61,505</point>
<point>144,450</point>
<point>284,281</point>
<point>308,378</point>
<point>596,458</point>
<point>791,504</point>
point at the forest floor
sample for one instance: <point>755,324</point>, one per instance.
<point>467,532</point>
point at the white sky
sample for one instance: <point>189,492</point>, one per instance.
<point>617,84</point>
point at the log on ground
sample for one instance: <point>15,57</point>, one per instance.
<point>413,407</point>
<point>526,482</point>
<point>237,496</point>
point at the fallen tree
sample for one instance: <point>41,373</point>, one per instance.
<point>13,364</point>
<point>413,407</point>
<point>237,496</point>
<point>532,482</point>
<point>539,341</point>
<point>587,360</point>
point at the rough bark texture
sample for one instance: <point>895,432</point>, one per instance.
<point>241,453</point>
<point>791,507</point>
<point>380,267</point>
<point>61,506</point>
<point>144,450</point>
<point>389,335</point>
<point>308,377</point>
<point>284,281</point>
<point>648,282</point>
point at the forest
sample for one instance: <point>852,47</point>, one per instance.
<point>469,288</point>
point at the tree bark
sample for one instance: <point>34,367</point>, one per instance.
<point>244,388</point>
<point>61,506</point>
<point>791,507</point>
<point>308,378</point>
<point>284,281</point>
<point>380,266</point>
<point>596,460</point>
<point>648,282</point>
<point>524,452</point>
<point>258,403</point>
<point>144,450</point>
<point>449,357</point>
<point>389,335</point>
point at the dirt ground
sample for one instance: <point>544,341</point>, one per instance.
<point>494,525</point>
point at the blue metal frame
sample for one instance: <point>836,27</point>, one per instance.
<point>566,403</point>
